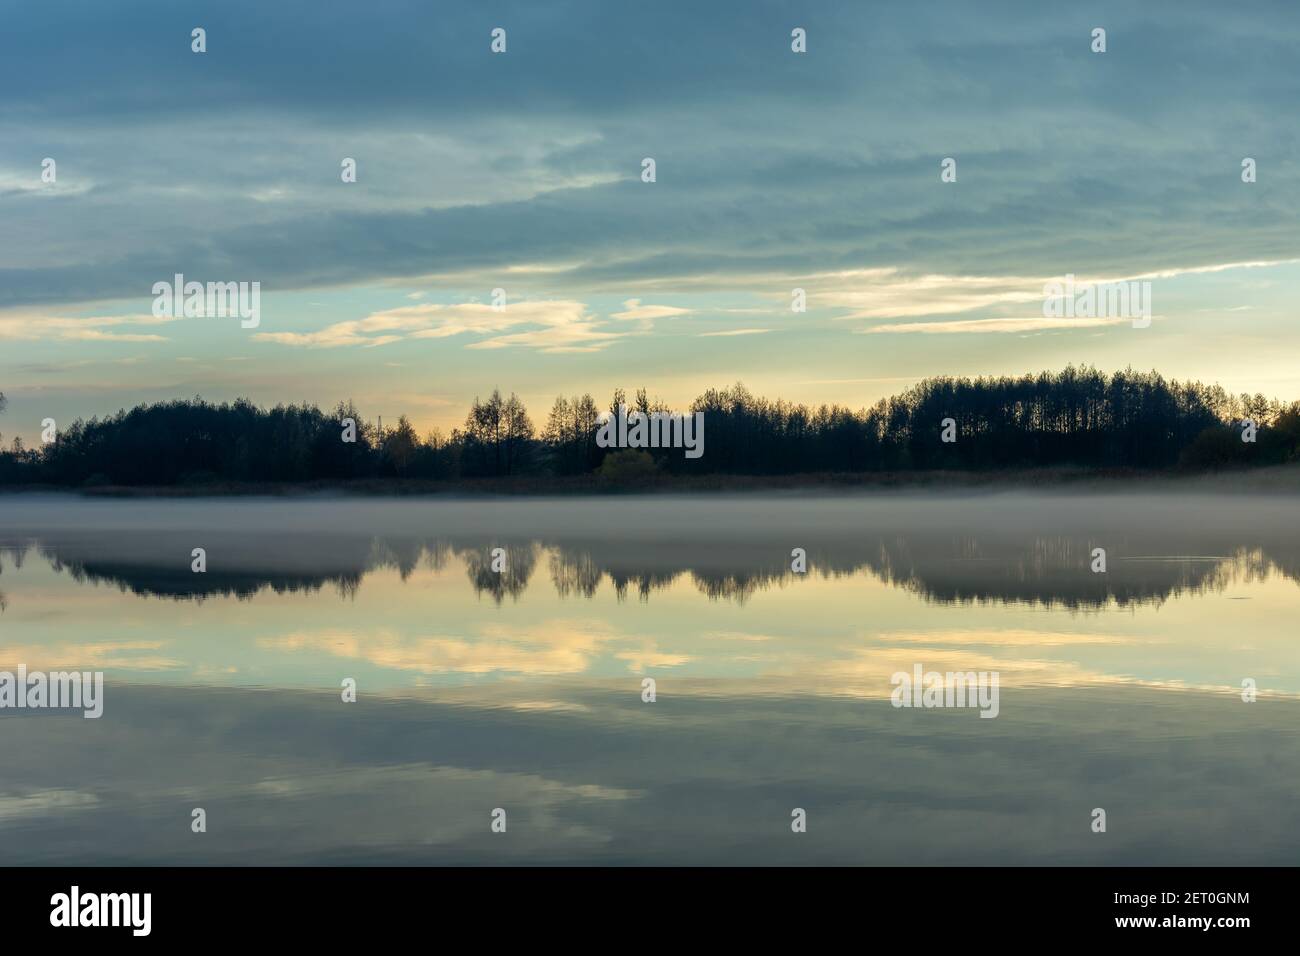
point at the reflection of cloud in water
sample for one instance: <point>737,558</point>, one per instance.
<point>648,655</point>
<point>549,648</point>
<point>127,655</point>
<point>537,708</point>
<point>1003,637</point>
<point>569,648</point>
<point>696,778</point>
<point>866,671</point>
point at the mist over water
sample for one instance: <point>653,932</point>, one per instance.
<point>522,688</point>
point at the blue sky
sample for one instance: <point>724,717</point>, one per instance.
<point>521,171</point>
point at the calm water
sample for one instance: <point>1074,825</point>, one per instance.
<point>522,690</point>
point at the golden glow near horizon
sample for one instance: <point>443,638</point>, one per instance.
<point>393,354</point>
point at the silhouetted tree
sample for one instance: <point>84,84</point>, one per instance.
<point>497,437</point>
<point>1077,416</point>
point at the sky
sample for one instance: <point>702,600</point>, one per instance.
<point>522,171</point>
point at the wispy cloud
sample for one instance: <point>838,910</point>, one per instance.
<point>634,309</point>
<point>545,325</point>
<point>971,326</point>
<point>37,327</point>
<point>28,182</point>
<point>893,293</point>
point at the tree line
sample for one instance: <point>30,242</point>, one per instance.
<point>1075,417</point>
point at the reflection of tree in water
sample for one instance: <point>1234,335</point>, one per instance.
<point>735,587</point>
<point>405,555</point>
<point>577,570</point>
<point>643,582</point>
<point>184,585</point>
<point>574,572</point>
<point>1052,573</point>
<point>1049,571</point>
<point>17,554</point>
<point>943,567</point>
<point>520,560</point>
<point>342,565</point>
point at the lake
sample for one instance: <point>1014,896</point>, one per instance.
<point>500,649</point>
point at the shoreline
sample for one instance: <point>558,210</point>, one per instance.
<point>1277,479</point>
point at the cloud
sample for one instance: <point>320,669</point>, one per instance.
<point>95,335</point>
<point>558,326</point>
<point>970,326</point>
<point>895,293</point>
<point>776,170</point>
<point>39,327</point>
<point>42,804</point>
<point>709,335</point>
<point>15,182</point>
<point>633,310</point>
<point>577,337</point>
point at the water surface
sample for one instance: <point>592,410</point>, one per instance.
<point>522,689</point>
